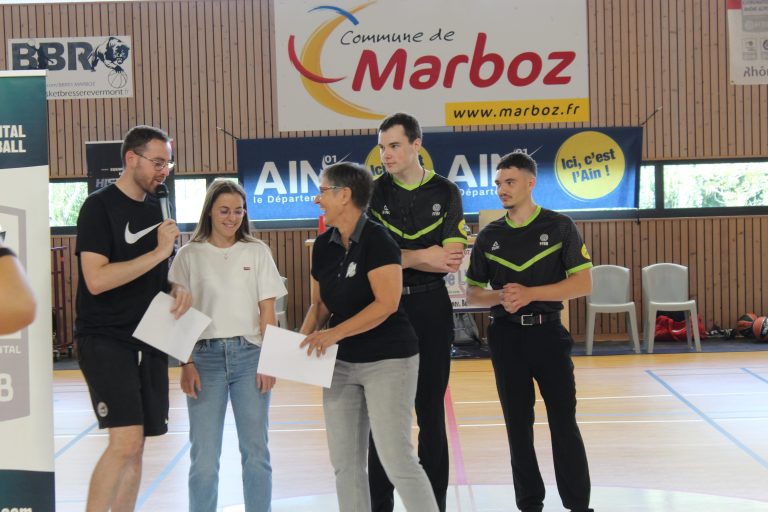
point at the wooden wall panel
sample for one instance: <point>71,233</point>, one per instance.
<point>210,63</point>
<point>720,254</point>
<point>203,64</point>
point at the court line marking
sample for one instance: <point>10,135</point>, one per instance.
<point>627,397</point>
<point>75,440</point>
<point>161,476</point>
<point>755,375</point>
<point>541,423</point>
<point>496,401</point>
<point>478,425</point>
<point>746,449</point>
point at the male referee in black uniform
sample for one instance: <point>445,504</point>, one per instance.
<point>422,211</point>
<point>534,259</point>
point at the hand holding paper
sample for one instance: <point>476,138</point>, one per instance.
<point>174,336</point>
<point>319,341</point>
<point>283,357</point>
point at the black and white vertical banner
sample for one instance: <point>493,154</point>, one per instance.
<point>26,414</point>
<point>104,163</point>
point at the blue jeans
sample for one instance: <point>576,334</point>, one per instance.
<point>227,368</point>
<point>377,398</point>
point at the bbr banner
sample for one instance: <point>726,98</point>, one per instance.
<point>78,67</point>
<point>579,168</point>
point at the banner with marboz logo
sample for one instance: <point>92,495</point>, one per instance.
<point>349,63</point>
<point>578,169</point>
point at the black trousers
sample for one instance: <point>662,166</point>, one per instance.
<point>521,354</point>
<point>431,315</point>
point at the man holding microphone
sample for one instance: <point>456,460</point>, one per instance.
<point>123,246</point>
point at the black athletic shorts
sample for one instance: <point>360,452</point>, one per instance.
<point>128,386</point>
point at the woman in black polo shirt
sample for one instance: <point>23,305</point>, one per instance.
<point>357,280</point>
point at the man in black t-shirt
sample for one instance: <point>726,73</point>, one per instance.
<point>422,211</point>
<point>533,259</point>
<point>123,246</point>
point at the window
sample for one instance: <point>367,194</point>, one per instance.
<point>65,200</point>
<point>647,187</point>
<point>715,185</point>
<point>190,195</point>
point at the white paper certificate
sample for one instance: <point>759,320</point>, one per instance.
<point>281,357</point>
<point>160,329</point>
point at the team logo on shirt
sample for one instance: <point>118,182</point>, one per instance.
<point>436,210</point>
<point>385,210</point>
<point>352,269</point>
<point>102,410</point>
<point>495,246</point>
<point>544,240</point>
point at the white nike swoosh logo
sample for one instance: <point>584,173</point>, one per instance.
<point>132,238</point>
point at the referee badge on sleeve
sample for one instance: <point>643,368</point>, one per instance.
<point>584,252</point>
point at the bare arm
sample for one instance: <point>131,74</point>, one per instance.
<point>18,310</point>
<point>516,296</point>
<point>387,285</point>
<point>318,313</point>
<point>477,296</point>
<point>267,313</point>
<point>267,316</point>
<point>101,276</point>
<point>435,258</point>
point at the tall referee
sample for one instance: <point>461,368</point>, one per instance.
<point>422,211</point>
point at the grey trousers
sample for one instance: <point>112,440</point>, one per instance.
<point>376,397</point>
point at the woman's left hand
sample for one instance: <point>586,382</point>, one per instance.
<point>265,382</point>
<point>319,341</point>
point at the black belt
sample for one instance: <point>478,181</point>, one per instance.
<point>420,288</point>
<point>530,319</point>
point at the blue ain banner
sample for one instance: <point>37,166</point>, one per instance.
<point>26,412</point>
<point>579,169</point>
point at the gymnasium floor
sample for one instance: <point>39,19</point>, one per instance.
<point>664,432</point>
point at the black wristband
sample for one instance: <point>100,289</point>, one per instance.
<point>185,364</point>
<point>4,251</point>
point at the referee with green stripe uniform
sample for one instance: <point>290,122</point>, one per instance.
<point>534,259</point>
<point>422,211</point>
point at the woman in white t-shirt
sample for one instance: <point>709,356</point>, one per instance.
<point>234,280</point>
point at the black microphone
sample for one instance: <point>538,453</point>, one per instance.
<point>165,205</point>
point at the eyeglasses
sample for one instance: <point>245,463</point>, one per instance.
<point>323,190</point>
<point>226,212</point>
<point>159,164</point>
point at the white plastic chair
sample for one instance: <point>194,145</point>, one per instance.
<point>280,307</point>
<point>665,288</point>
<point>610,294</point>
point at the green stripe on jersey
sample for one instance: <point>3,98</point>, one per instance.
<point>400,233</point>
<point>580,267</point>
<point>527,264</point>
